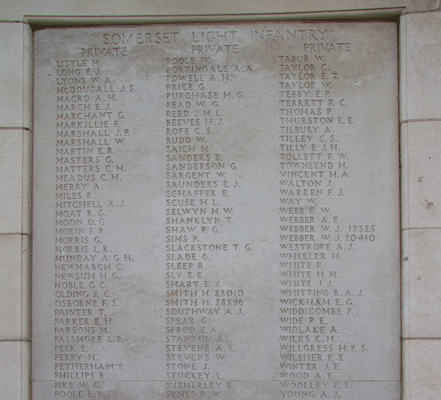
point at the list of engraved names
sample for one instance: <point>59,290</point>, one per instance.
<point>216,212</point>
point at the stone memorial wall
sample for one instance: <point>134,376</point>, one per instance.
<point>216,212</point>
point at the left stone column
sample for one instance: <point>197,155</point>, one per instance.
<point>15,208</point>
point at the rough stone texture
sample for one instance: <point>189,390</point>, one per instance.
<point>421,275</point>
<point>14,368</point>
<point>15,75</point>
<point>420,85</point>
<point>424,385</point>
<point>15,291</point>
<point>14,10</point>
<point>420,56</point>
<point>15,195</point>
<point>10,289</point>
<point>15,209</point>
<point>421,369</point>
<point>421,146</point>
<point>282,207</point>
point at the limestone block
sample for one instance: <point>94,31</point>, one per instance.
<point>221,184</point>
<point>421,161</point>
<point>421,369</point>
<point>420,59</point>
<point>26,287</point>
<point>404,175</point>
<point>14,370</point>
<point>15,207</point>
<point>421,281</point>
<point>15,290</point>
<point>15,75</point>
<point>26,222</point>
<point>27,76</point>
<point>14,10</point>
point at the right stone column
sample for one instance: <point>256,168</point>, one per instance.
<point>420,117</point>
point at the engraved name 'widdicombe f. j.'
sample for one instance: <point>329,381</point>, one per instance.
<point>216,212</point>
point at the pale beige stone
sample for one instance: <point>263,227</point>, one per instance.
<point>421,369</point>
<point>15,370</point>
<point>404,175</point>
<point>15,78</point>
<point>421,161</point>
<point>14,10</point>
<point>26,287</point>
<point>26,221</point>
<point>15,289</point>
<point>405,287</point>
<point>118,265</point>
<point>15,189</point>
<point>421,282</point>
<point>27,76</point>
<point>420,81</point>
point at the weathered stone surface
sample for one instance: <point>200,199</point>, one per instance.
<point>14,296</point>
<point>420,369</point>
<point>421,52</point>
<point>216,212</point>
<point>421,146</point>
<point>421,276</point>
<point>15,76</point>
<point>15,195</point>
<point>15,369</point>
<point>116,11</point>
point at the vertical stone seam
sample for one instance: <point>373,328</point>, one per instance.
<point>26,203</point>
<point>405,378</point>
<point>398,27</point>
<point>404,153</point>
<point>30,153</point>
<point>21,372</point>
<point>26,288</point>
<point>402,68</point>
<point>23,89</point>
<point>26,215</point>
<point>23,186</point>
<point>22,258</point>
<point>402,88</point>
<point>26,200</point>
<point>28,57</point>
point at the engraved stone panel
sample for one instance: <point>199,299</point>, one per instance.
<point>216,212</point>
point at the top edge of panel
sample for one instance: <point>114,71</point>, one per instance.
<point>74,11</point>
